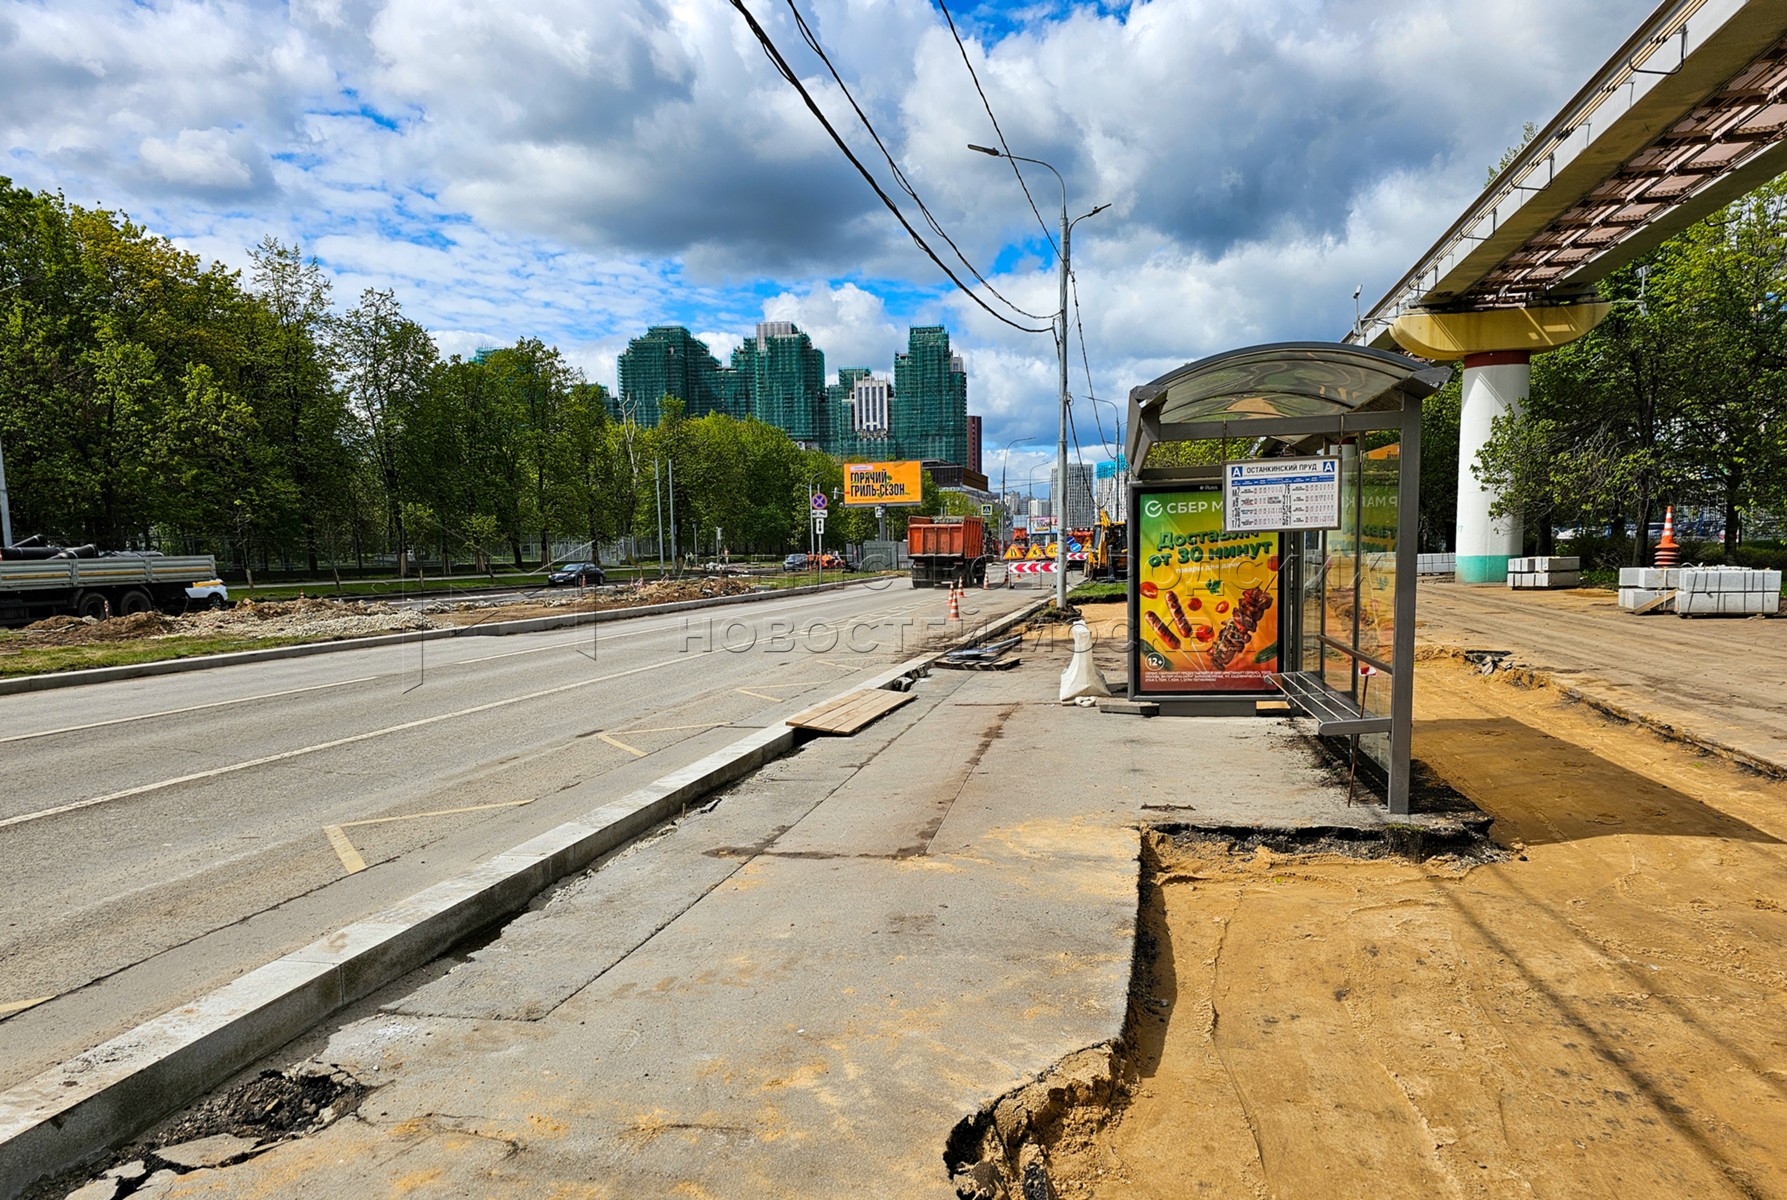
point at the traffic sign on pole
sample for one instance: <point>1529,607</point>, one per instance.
<point>818,501</point>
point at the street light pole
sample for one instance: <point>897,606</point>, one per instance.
<point>1061,357</point>
<point>1004,466</point>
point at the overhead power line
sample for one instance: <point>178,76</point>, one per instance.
<point>787,73</point>
<point>997,132</point>
<point>812,40</point>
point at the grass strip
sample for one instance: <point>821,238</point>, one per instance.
<point>44,660</point>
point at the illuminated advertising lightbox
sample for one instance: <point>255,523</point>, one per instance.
<point>890,483</point>
<point>1206,602</point>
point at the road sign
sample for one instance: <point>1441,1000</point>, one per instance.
<point>818,501</point>
<point>986,510</point>
<point>818,522</point>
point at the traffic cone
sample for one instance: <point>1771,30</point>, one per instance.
<point>1668,553</point>
<point>955,603</point>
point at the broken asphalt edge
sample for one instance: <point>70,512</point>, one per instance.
<point>204,662</point>
<point>74,1112</point>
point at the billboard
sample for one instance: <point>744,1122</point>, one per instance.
<point>1205,603</point>
<point>891,483</point>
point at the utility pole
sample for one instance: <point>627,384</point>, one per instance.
<point>5,505</point>
<point>675,557</point>
<point>658,499</point>
<point>1061,357</point>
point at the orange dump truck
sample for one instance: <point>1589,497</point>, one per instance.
<point>946,550</point>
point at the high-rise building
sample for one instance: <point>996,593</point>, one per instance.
<point>1080,510</point>
<point>870,405</point>
<point>778,377</point>
<point>667,361</point>
<point>930,409</point>
<point>1112,489</point>
<point>788,382</point>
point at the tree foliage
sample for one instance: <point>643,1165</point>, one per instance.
<point>149,401</point>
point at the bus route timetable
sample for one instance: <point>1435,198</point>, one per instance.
<point>1281,493</point>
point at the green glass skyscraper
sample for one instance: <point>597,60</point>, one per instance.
<point>668,361</point>
<point>930,407</point>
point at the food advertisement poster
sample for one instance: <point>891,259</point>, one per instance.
<point>885,483</point>
<point>1207,602</point>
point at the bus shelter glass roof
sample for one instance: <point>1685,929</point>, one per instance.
<point>1284,381</point>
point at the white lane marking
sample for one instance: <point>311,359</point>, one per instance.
<point>174,712</point>
<point>286,755</point>
<point>800,601</point>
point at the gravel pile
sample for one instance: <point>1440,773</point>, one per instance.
<point>305,618</point>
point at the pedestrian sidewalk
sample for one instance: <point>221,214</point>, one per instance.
<point>800,988</point>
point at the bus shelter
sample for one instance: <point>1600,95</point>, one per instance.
<point>1273,512</point>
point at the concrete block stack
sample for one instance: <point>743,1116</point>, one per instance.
<point>1728,592</point>
<point>1551,571</point>
<point>1639,586</point>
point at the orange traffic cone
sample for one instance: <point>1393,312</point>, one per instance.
<point>955,603</point>
<point>1668,553</point>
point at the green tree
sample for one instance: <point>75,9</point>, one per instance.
<point>387,366</point>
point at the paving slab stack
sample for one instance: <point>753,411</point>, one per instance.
<point>1547,571</point>
<point>1703,591</point>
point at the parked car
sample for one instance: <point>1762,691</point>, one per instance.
<point>211,593</point>
<point>585,574</point>
<point>795,562</point>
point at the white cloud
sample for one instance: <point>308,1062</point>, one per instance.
<point>579,171</point>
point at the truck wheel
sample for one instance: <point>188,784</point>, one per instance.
<point>91,604</point>
<point>217,603</point>
<point>135,601</point>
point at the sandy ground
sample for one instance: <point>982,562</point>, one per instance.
<point>1604,1013</point>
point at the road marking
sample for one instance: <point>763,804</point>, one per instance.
<point>760,695</point>
<point>637,752</point>
<point>350,857</point>
<point>344,849</point>
<point>174,712</point>
<point>301,751</point>
<point>14,1007</point>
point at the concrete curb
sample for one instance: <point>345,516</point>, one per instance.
<point>75,1111</point>
<point>204,662</point>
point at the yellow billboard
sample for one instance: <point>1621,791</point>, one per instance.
<point>883,483</point>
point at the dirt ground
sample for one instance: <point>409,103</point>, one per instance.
<point>1603,1013</point>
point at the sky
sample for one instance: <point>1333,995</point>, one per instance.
<point>578,170</point>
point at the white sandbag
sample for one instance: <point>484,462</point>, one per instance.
<point>1082,678</point>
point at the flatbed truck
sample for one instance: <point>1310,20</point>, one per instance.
<point>46,581</point>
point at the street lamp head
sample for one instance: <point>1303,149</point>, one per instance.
<point>1098,210</point>
<point>985,150</point>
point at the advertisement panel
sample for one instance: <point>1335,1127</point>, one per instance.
<point>889,483</point>
<point>1206,602</point>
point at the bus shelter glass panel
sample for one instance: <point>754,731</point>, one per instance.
<point>1349,606</point>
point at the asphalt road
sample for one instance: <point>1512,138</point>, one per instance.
<point>164,835</point>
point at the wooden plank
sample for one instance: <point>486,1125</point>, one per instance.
<point>1648,605</point>
<point>847,714</point>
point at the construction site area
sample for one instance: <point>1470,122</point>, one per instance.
<point>1559,976</point>
<point>1592,1002</point>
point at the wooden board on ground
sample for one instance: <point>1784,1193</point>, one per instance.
<point>847,714</point>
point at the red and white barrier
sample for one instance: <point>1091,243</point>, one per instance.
<point>1031,568</point>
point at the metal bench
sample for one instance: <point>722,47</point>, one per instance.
<point>1335,713</point>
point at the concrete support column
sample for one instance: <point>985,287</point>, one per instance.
<point>1497,346</point>
<point>1495,384</point>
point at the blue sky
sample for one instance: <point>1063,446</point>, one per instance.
<point>577,170</point>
